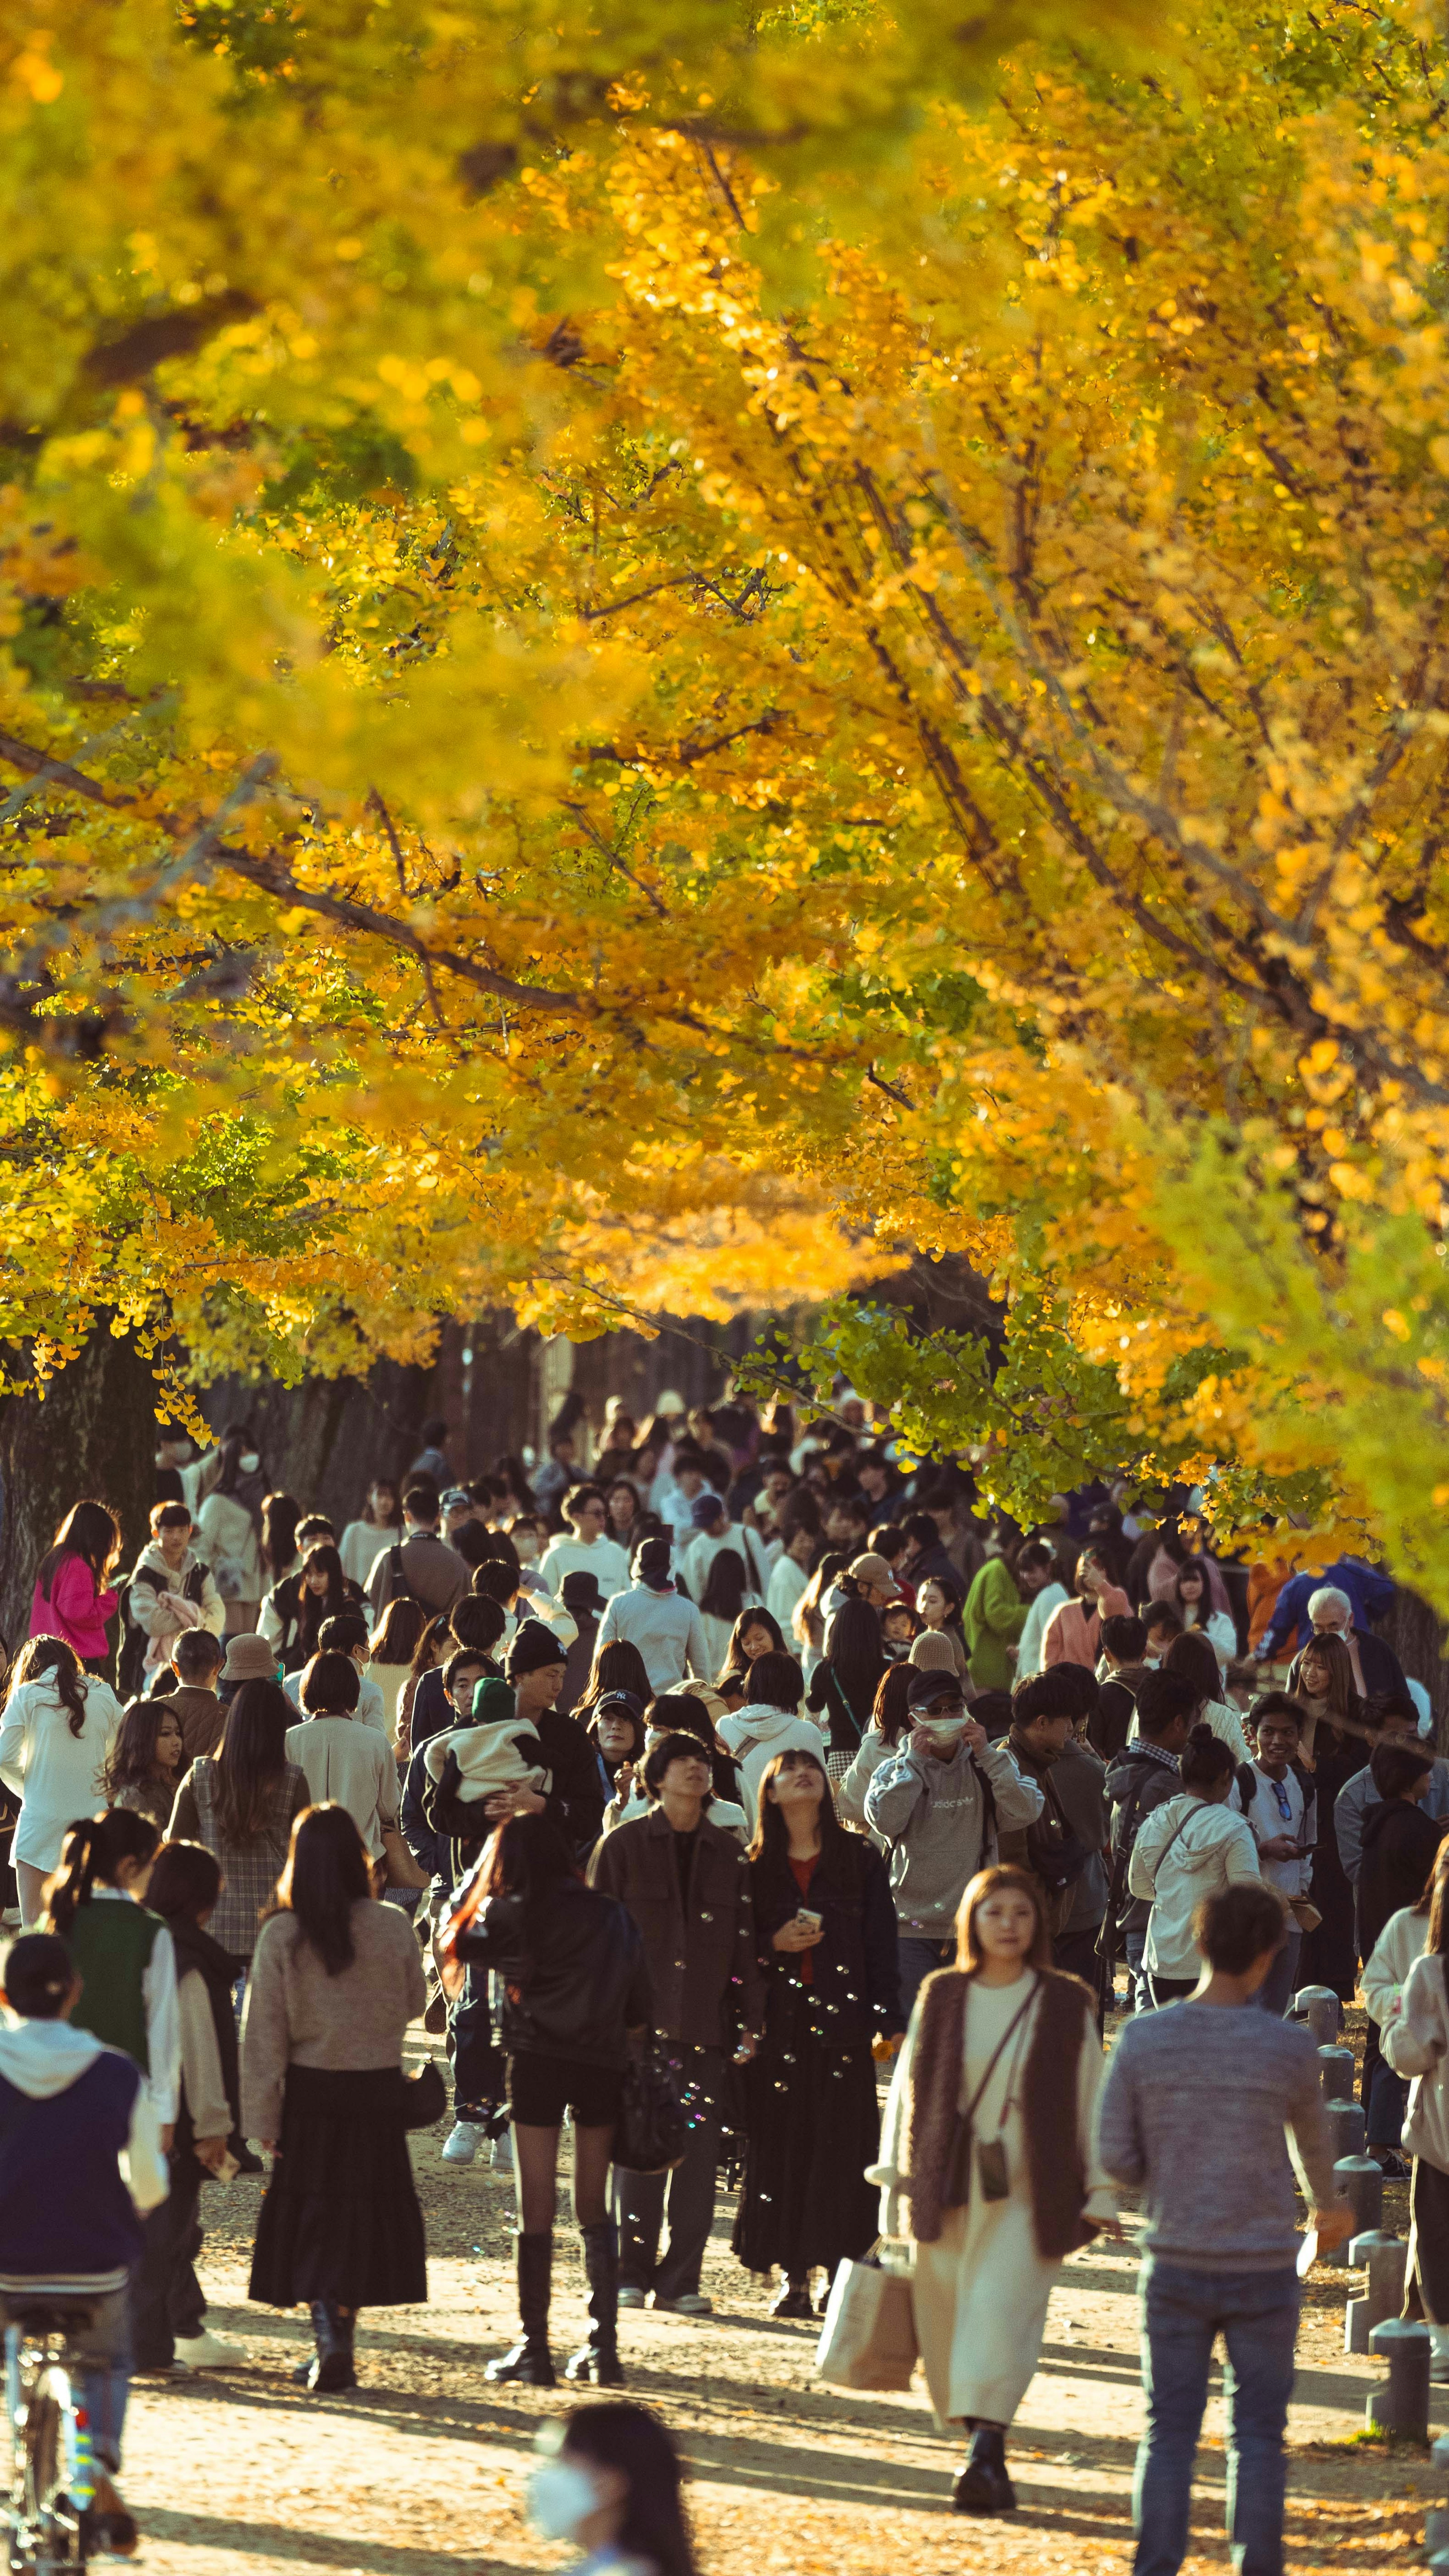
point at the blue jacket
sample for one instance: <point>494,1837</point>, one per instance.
<point>66,2217</point>
<point>1368,1590</point>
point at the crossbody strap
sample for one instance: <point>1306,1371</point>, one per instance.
<point>1016,2019</point>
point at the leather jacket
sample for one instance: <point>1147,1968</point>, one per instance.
<point>575,1978</point>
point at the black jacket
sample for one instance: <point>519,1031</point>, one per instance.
<point>1399,1847</point>
<point>856,1966</point>
<point>575,1978</point>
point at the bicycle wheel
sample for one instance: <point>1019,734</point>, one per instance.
<point>51,2526</point>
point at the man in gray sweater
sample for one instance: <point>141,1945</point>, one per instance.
<point>1203,2103</point>
<point>941,1801</point>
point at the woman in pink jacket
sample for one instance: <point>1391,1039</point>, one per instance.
<point>1074,1630</point>
<point>72,1598</point>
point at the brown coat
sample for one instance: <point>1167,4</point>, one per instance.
<point>1048,2107</point>
<point>708,1984</point>
<point>201,1717</point>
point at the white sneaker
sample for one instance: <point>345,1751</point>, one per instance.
<point>692,2303</point>
<point>631,2298</point>
<point>207,2351</point>
<point>464,2142</point>
<point>503,2152</point>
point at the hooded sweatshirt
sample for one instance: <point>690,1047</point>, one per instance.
<point>156,1586</point>
<point>80,2154</point>
<point>1386,1974</point>
<point>1186,1850</point>
<point>754,1736</point>
<point>942,1821</point>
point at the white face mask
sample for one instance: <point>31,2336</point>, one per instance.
<point>559,2497</point>
<point>944,1731</point>
<point>249,1462</point>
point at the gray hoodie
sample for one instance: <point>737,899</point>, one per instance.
<point>937,1819</point>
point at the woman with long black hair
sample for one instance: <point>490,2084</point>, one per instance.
<point>826,1927</point>
<point>59,1725</point>
<point>73,1598</point>
<point>145,1760</point>
<point>756,1632</point>
<point>168,2304</point>
<point>844,1683</point>
<point>726,1592</point>
<point>576,1986</point>
<point>1333,1744</point>
<point>292,1615</point>
<point>609,2481</point>
<point>121,1951</point>
<point>336,1979</point>
<point>241,1802</point>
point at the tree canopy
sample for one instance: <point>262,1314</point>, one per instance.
<point>651,667</point>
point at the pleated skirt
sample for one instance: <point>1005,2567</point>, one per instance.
<point>340,2217</point>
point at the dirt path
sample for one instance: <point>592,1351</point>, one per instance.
<point>416,2473</point>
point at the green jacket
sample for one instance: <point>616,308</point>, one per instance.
<point>993,1619</point>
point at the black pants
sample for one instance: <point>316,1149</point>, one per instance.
<point>478,2072</point>
<point>1170,1990</point>
<point>640,2199</point>
<point>166,2297</point>
<point>1075,1953</point>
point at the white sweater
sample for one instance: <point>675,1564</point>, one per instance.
<point>1185,1850</point>
<point>59,1775</point>
<point>353,1764</point>
<point>1417,2043</point>
<point>1399,1944</point>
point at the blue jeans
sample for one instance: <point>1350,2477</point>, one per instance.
<point>1133,1945</point>
<point>100,2358</point>
<point>920,1958</point>
<point>1281,1982</point>
<point>1182,2313</point>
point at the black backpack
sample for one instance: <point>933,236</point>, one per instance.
<point>395,1585</point>
<point>1250,1787</point>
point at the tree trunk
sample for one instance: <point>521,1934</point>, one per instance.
<point>92,1437</point>
<point>1417,1636</point>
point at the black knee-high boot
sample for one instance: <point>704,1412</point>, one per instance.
<point>598,2359</point>
<point>528,2359</point>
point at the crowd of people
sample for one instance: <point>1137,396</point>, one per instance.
<point>698,1789</point>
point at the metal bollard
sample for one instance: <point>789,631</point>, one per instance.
<point>1336,2074</point>
<point>1436,2520</point>
<point>1401,2403</point>
<point>1385,2259</point>
<point>1320,2008</point>
<point>1345,2127</point>
<point>1362,2184</point>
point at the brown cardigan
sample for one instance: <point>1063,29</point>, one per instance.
<point>1048,2108</point>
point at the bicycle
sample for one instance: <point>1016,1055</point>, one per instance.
<point>59,2509</point>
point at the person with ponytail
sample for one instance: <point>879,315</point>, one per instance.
<point>56,1736</point>
<point>120,1950</point>
<point>609,2480</point>
<point>1189,1848</point>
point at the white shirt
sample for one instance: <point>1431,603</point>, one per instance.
<point>603,1558</point>
<point>1266,1819</point>
<point>371,1709</point>
<point>702,1550</point>
<point>58,1776</point>
<point>359,1547</point>
<point>787,1582</point>
<point>1033,1636</point>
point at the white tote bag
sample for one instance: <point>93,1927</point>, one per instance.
<point>868,2339</point>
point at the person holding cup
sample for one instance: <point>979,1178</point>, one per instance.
<point>941,1802</point>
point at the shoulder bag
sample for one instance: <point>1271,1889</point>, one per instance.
<point>652,2131</point>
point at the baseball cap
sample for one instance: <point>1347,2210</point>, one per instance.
<point>929,1686</point>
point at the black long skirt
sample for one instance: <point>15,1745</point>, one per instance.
<point>814,2126</point>
<point>1427,2290</point>
<point>340,2217</point>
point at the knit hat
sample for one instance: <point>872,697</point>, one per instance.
<point>249,1659</point>
<point>533,1646</point>
<point>872,1569</point>
<point>705,1510</point>
<point>581,1591</point>
<point>933,1653</point>
<point>928,1685</point>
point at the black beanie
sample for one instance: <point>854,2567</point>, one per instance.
<point>533,1646</point>
<point>652,1561</point>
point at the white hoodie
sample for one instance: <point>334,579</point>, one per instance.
<point>755,1735</point>
<point>1386,1974</point>
<point>43,2058</point>
<point>1186,1850</point>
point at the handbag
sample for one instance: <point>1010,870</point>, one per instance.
<point>868,2339</point>
<point>652,2131</point>
<point>402,1869</point>
<point>425,2096</point>
<point>1305,1913</point>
